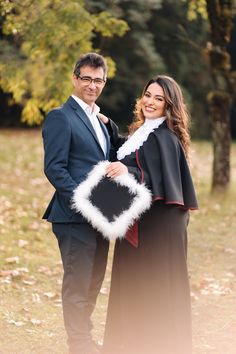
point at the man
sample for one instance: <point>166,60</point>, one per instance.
<point>74,141</point>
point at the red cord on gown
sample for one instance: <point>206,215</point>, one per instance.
<point>132,235</point>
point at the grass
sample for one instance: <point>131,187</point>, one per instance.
<point>30,268</point>
<point>212,256</point>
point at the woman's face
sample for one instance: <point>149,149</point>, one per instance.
<point>153,102</point>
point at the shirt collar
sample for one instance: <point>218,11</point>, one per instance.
<point>154,122</point>
<point>89,110</point>
<point>136,140</point>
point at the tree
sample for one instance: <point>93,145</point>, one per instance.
<point>220,14</point>
<point>41,40</point>
<point>182,48</point>
<point>152,46</point>
<point>220,98</point>
<point>136,56</point>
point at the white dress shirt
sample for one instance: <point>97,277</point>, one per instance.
<point>92,112</point>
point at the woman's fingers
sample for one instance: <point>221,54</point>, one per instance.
<point>116,169</point>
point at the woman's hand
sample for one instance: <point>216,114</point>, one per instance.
<point>103,118</point>
<point>116,169</point>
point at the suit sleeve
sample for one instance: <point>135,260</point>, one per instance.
<point>57,138</point>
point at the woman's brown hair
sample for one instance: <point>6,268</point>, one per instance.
<point>177,116</point>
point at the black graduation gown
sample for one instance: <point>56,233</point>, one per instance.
<point>149,305</point>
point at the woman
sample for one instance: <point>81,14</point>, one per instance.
<point>149,305</point>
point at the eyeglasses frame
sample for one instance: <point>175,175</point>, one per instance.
<point>100,83</point>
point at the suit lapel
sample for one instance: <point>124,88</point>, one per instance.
<point>82,115</point>
<point>104,129</point>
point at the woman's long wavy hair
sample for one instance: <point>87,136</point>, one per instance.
<point>177,116</point>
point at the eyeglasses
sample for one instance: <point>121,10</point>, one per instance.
<point>87,80</point>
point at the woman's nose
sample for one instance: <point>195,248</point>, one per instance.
<point>150,100</point>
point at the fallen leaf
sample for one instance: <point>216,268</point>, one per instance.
<point>6,280</point>
<point>16,323</point>
<point>22,243</point>
<point>47,271</point>
<point>36,298</point>
<point>12,260</point>
<point>194,296</point>
<point>30,331</point>
<point>22,270</point>
<point>50,295</point>
<point>34,225</point>
<point>36,322</point>
<point>229,250</point>
<point>29,282</point>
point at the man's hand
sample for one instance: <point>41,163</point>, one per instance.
<point>103,118</point>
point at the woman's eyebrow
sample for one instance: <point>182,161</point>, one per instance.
<point>155,95</point>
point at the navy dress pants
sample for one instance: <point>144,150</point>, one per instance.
<point>84,257</point>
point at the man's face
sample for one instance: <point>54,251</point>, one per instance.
<point>84,88</point>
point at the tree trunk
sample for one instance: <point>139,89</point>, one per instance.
<point>220,108</point>
<point>220,14</point>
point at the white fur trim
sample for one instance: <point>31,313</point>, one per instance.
<point>119,226</point>
<point>137,139</point>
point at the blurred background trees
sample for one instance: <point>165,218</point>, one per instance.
<point>222,95</point>
<point>41,40</point>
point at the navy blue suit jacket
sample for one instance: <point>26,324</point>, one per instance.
<point>71,150</point>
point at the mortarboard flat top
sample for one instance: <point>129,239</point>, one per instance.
<point>110,205</point>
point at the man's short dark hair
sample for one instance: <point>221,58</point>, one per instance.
<point>91,59</point>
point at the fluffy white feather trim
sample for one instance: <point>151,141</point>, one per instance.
<point>118,227</point>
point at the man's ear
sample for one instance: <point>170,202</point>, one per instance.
<point>73,80</point>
